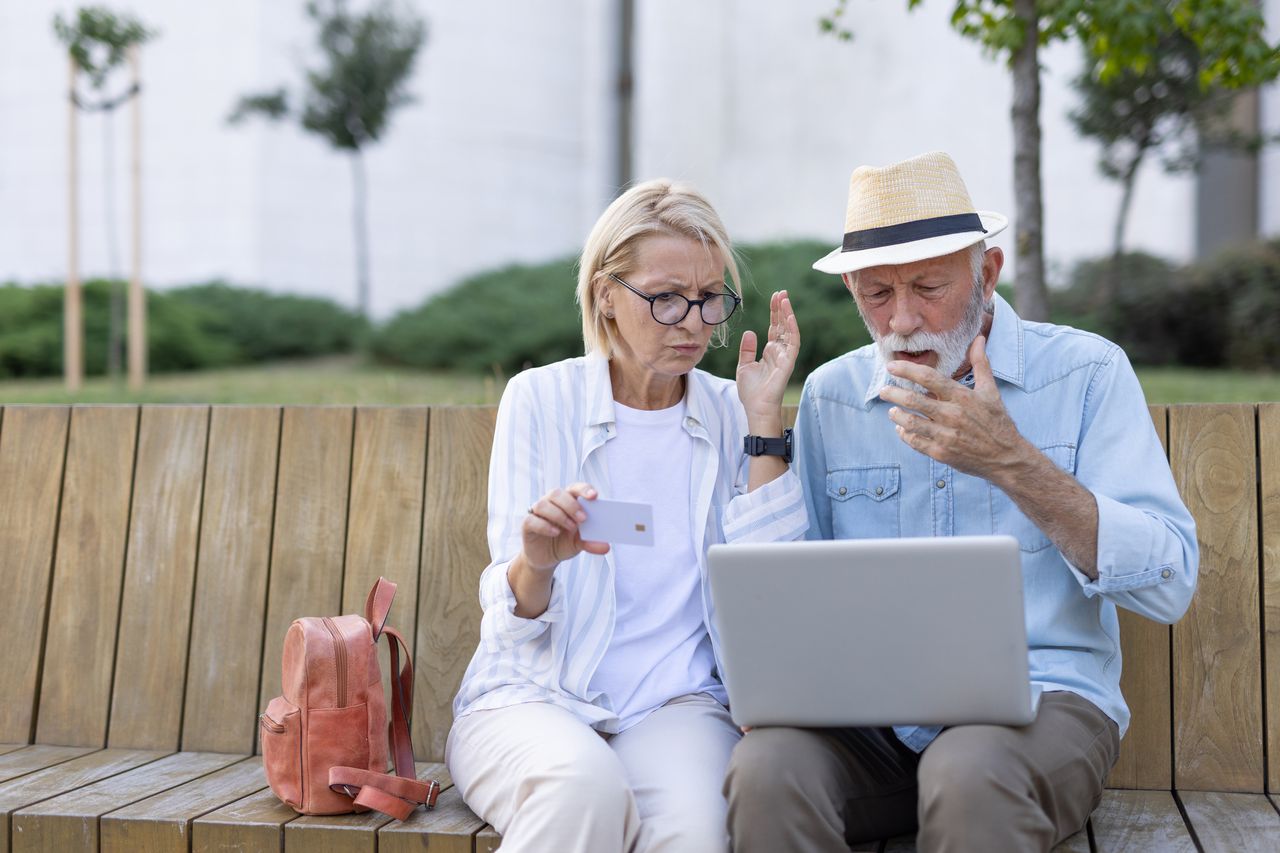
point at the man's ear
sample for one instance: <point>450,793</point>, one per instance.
<point>850,282</point>
<point>992,263</point>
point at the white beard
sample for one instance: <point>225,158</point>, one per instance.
<point>951,346</point>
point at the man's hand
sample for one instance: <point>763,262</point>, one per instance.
<point>972,432</point>
<point>966,429</point>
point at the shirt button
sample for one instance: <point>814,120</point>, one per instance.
<point>1166,574</point>
<point>942,484</point>
<point>690,422</point>
<point>843,490</point>
<point>879,490</point>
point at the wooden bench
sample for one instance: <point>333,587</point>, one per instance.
<point>151,559</point>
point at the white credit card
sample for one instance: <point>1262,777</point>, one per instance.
<point>617,522</point>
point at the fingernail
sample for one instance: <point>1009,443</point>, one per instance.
<point>582,516</point>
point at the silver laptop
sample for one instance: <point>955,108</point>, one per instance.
<point>873,632</point>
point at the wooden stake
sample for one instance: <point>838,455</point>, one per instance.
<point>72,325</point>
<point>137,297</point>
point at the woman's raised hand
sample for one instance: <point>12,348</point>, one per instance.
<point>550,530</point>
<point>762,383</point>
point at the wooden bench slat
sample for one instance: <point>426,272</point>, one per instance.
<point>1140,820</point>
<point>345,833</point>
<point>33,447</point>
<point>384,522</point>
<point>454,553</point>
<point>255,822</point>
<point>159,575</point>
<point>1146,753</point>
<point>88,573</point>
<point>231,581</point>
<point>70,821</point>
<point>1269,471</point>
<point>162,823</point>
<point>1217,664</point>
<point>67,776</point>
<point>28,759</point>
<point>1232,823</point>
<point>487,840</point>
<point>310,527</point>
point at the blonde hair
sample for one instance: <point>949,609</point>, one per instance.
<point>659,206</point>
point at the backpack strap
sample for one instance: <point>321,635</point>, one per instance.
<point>391,795</point>
<point>378,605</point>
<point>400,794</point>
<point>401,706</point>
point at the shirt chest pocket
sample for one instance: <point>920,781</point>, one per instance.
<point>1006,518</point>
<point>864,501</point>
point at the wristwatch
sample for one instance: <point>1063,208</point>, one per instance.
<point>755,445</point>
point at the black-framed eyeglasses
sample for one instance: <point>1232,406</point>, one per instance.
<point>671,308</point>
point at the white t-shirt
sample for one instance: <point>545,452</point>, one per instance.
<point>660,647</point>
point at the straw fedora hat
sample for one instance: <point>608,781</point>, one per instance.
<point>906,212</point>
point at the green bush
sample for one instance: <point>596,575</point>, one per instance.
<point>1219,312</point>
<point>1145,317</point>
<point>522,315</point>
<point>506,319</point>
<point>205,326</point>
<point>264,326</point>
<point>1248,279</point>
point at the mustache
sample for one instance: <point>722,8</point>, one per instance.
<point>917,342</point>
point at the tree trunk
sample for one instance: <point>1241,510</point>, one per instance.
<point>72,323</point>
<point>1109,288</point>
<point>1030,296</point>
<point>115,300</point>
<point>137,297</point>
<point>361,225</point>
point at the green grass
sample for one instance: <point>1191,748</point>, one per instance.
<point>1187,385</point>
<point>348,381</point>
<point>333,380</point>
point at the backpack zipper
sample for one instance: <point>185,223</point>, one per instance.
<point>340,652</point>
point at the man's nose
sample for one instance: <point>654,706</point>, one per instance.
<point>905,318</point>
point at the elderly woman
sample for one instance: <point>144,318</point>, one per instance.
<point>592,716</point>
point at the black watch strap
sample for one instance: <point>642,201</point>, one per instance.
<point>756,445</point>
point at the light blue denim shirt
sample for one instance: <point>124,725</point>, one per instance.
<point>1076,398</point>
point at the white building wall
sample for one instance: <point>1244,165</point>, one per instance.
<point>508,152</point>
<point>748,101</point>
<point>503,157</point>
<point>1269,123</point>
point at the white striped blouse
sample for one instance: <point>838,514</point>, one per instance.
<point>553,423</point>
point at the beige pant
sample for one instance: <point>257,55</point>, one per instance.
<point>975,788</point>
<point>548,782</point>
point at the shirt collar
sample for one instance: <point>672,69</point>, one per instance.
<point>599,391</point>
<point>1005,343</point>
<point>1004,351</point>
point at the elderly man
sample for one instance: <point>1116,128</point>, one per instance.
<point>964,419</point>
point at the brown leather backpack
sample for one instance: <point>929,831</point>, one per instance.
<point>325,741</point>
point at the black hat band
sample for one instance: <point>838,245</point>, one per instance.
<point>909,232</point>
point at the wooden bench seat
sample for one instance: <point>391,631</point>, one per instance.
<point>151,559</point>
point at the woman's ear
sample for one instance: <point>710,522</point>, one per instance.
<point>604,296</point>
